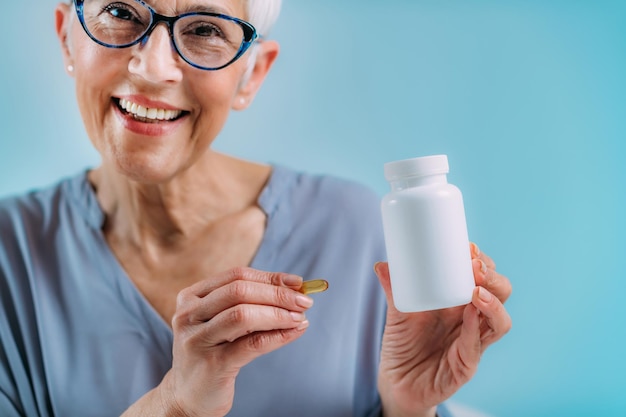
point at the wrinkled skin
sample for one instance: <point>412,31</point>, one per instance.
<point>427,356</point>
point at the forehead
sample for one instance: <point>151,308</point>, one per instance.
<point>234,8</point>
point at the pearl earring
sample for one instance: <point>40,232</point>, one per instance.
<point>70,68</point>
<point>242,101</point>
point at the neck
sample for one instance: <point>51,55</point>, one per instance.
<point>180,209</point>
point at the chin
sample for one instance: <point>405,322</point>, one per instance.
<point>150,171</point>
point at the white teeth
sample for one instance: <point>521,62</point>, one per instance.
<point>148,113</point>
<point>142,111</point>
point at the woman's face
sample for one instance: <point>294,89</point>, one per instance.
<point>193,103</point>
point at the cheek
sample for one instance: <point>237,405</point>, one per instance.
<point>215,94</point>
<point>94,106</point>
<point>96,72</point>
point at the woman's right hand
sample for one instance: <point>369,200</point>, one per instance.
<point>221,324</point>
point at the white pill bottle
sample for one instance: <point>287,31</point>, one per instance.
<point>426,236</point>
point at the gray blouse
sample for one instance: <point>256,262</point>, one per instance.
<point>78,339</point>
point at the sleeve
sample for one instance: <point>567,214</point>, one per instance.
<point>7,408</point>
<point>443,411</point>
<point>8,387</point>
<point>9,391</point>
<point>18,347</point>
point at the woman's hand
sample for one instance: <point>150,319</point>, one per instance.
<point>220,325</point>
<point>426,357</point>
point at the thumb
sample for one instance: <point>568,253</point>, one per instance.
<point>382,271</point>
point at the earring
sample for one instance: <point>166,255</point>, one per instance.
<point>70,68</point>
<point>242,101</point>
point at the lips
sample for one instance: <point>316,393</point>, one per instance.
<point>148,114</point>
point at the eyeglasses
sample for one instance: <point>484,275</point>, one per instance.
<point>208,41</point>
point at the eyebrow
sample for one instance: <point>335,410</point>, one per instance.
<point>205,9</point>
<point>194,8</point>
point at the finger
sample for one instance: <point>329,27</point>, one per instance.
<point>493,314</point>
<point>243,292</point>
<point>204,287</point>
<point>242,320</point>
<point>496,283</point>
<point>469,345</point>
<point>382,271</point>
<point>478,254</point>
<point>248,348</point>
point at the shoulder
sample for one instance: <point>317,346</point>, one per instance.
<point>31,216</point>
<point>18,211</point>
<point>33,208</point>
<point>36,234</point>
<point>325,212</point>
<point>24,230</point>
<point>334,198</point>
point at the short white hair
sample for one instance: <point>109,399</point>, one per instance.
<point>263,14</point>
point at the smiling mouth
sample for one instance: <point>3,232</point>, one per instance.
<point>147,115</point>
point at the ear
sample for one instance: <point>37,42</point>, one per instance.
<point>62,26</point>
<point>266,56</point>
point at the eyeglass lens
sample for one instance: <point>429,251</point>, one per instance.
<point>204,40</point>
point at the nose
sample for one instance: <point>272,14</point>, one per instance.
<point>155,58</point>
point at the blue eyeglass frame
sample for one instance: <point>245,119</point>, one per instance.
<point>249,32</point>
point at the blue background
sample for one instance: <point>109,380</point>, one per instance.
<point>528,99</point>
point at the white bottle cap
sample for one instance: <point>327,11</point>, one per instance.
<point>417,167</point>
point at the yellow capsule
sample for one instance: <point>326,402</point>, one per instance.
<point>314,286</point>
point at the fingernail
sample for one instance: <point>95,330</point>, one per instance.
<point>481,265</point>
<point>297,316</point>
<point>292,280</point>
<point>303,325</point>
<point>484,295</point>
<point>475,250</point>
<point>304,301</point>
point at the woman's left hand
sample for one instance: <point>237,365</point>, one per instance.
<point>426,357</point>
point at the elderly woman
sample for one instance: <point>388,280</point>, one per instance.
<point>165,281</point>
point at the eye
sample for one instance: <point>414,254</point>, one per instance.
<point>205,29</point>
<point>122,11</point>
